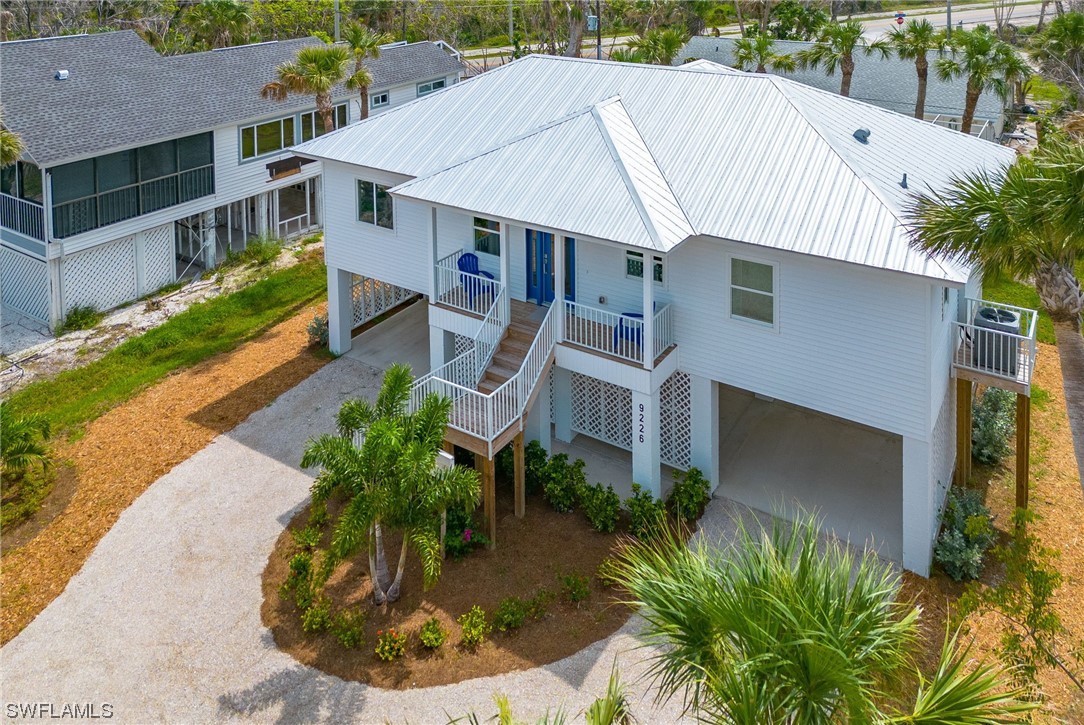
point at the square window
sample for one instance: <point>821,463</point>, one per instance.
<point>378,100</point>
<point>487,236</point>
<point>752,291</point>
<point>634,267</point>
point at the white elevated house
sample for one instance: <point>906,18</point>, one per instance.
<point>638,254</point>
<point>141,169</point>
<point>886,82</point>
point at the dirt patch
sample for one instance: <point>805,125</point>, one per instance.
<point>1056,497</point>
<point>131,446</point>
<point>59,496</point>
<point>530,555</point>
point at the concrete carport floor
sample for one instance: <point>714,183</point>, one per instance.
<point>404,338</point>
<point>776,457</point>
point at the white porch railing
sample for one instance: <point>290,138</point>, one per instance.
<point>998,341</point>
<point>25,217</point>
<point>295,225</point>
<point>981,129</point>
<point>617,334</point>
<point>462,290</point>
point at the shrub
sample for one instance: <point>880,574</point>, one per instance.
<point>690,494</point>
<point>23,443</point>
<point>307,538</point>
<point>534,459</point>
<point>390,644</point>
<point>80,317</point>
<point>537,605</point>
<point>348,626</point>
<point>432,634</point>
<point>319,334</point>
<point>460,535</point>
<point>475,627</point>
<point>967,533</point>
<point>562,481</point>
<point>317,617</point>
<point>609,572</point>
<point>259,251</point>
<point>575,587</point>
<point>510,614</point>
<point>601,506</point>
<point>993,422</point>
<point>318,515</point>
<point>299,580</point>
<point>647,516</point>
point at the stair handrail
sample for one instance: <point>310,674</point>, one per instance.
<point>523,383</point>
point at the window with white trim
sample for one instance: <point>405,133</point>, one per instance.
<point>634,266</point>
<point>430,86</point>
<point>312,123</point>
<point>378,100</point>
<point>752,291</point>
<point>266,138</point>
<point>375,204</point>
<point>487,236</point>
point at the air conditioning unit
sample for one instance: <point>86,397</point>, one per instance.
<point>993,349</point>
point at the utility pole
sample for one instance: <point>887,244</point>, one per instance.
<point>511,29</point>
<point>948,16</point>
<point>598,29</point>
<point>337,14</point>
<point>403,38</point>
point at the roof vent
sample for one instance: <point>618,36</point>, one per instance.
<point>862,135</point>
<point>61,75</point>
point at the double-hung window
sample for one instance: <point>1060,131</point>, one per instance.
<point>752,291</point>
<point>375,205</point>
<point>379,100</point>
<point>634,266</point>
<point>430,86</point>
<point>487,236</point>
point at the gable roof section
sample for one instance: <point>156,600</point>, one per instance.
<point>121,93</point>
<point>748,157</point>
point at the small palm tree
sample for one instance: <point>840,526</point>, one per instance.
<point>914,42</point>
<point>784,628</point>
<point>989,64</point>
<point>835,48</point>
<point>626,55</point>
<point>1059,51</point>
<point>22,443</point>
<point>363,43</point>
<point>316,70</point>
<point>220,23</point>
<point>11,145</point>
<point>390,480</point>
<point>659,45</point>
<point>758,51</point>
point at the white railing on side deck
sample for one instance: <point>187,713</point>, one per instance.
<point>462,290</point>
<point>604,331</point>
<point>664,330</point>
<point>998,353</point>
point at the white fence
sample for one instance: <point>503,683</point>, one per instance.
<point>371,298</point>
<point>24,284</point>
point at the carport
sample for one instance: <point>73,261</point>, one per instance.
<point>774,456</point>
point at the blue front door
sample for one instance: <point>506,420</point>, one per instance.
<point>540,274</point>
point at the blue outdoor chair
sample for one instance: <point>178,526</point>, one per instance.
<point>628,330</point>
<point>468,265</point>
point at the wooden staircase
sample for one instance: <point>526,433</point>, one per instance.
<point>513,347</point>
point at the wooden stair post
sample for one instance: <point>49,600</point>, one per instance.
<point>486,467</point>
<point>521,475</point>
<point>963,431</point>
<point>1023,448</point>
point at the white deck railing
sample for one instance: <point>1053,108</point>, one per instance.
<point>23,216</point>
<point>464,291</point>
<point>1004,349</point>
<point>614,333</point>
<point>663,330</point>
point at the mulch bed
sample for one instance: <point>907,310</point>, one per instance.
<point>128,448</point>
<point>530,554</point>
<point>1056,497</point>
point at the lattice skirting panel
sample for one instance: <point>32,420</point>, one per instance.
<point>675,421</point>
<point>24,283</point>
<point>372,297</point>
<point>102,277</point>
<point>602,410</point>
<point>463,344</point>
<point>158,258</point>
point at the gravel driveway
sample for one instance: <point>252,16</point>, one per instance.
<point>163,621</point>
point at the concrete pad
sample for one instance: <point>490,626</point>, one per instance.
<point>607,464</point>
<point>776,457</point>
<point>402,338</point>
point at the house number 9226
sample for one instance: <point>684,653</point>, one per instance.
<point>641,422</point>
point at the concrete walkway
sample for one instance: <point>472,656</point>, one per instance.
<point>163,621</point>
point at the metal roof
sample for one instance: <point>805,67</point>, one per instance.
<point>886,82</point>
<point>749,157</point>
<point>120,93</point>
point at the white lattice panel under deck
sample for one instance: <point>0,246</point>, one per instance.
<point>463,344</point>
<point>602,410</point>
<point>24,283</point>
<point>158,256</point>
<point>675,421</point>
<point>102,277</point>
<point>371,298</point>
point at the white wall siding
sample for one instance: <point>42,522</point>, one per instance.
<point>236,179</point>
<point>517,265</point>
<point>943,449</point>
<point>850,342</point>
<point>600,271</point>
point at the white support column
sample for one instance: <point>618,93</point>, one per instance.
<point>562,404</point>
<point>340,310</point>
<point>438,347</point>
<point>141,264</point>
<point>209,239</point>
<point>559,284</point>
<point>647,344</point>
<point>433,258</point>
<point>538,420</point>
<point>506,255</point>
<point>262,221</point>
<point>704,395</point>
<point>646,464</point>
<point>919,523</point>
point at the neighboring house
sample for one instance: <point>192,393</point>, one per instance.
<point>141,169</point>
<point>667,247</point>
<point>886,82</point>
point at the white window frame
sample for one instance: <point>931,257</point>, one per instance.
<point>485,231</point>
<point>310,118</point>
<point>657,261</point>
<point>730,286</point>
<point>357,204</point>
<point>424,89</point>
<point>374,101</point>
<point>255,138</point>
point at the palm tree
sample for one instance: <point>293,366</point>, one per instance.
<point>22,443</point>
<point>11,145</point>
<point>835,48</point>
<point>220,23</point>
<point>759,51</point>
<point>784,628</point>
<point>390,480</point>
<point>316,70</point>
<point>363,43</point>
<point>659,45</point>
<point>989,63</point>
<point>914,42</point>
<point>1059,51</point>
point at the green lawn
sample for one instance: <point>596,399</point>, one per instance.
<point>77,396</point>
<point>1024,295</point>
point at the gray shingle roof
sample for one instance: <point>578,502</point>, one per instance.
<point>886,82</point>
<point>120,93</point>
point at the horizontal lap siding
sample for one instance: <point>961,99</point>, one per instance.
<point>236,179</point>
<point>851,341</point>
<point>600,271</point>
